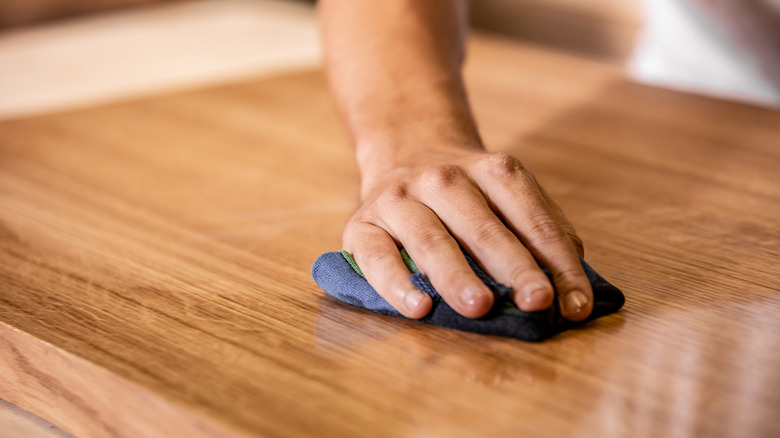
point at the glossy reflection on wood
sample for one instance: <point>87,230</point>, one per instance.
<point>154,267</point>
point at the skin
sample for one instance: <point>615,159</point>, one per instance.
<point>427,182</point>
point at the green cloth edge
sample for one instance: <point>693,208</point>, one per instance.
<point>404,256</point>
<point>348,257</point>
<point>408,261</point>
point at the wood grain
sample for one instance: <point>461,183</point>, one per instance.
<point>154,260</point>
<point>15,423</point>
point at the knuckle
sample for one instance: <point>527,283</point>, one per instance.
<point>353,228</point>
<point>489,235</point>
<point>359,223</point>
<point>430,241</point>
<point>362,229</point>
<point>442,177</point>
<point>396,192</point>
<point>545,230</point>
<point>350,230</point>
<point>503,165</point>
<point>577,242</point>
<point>353,236</point>
<point>374,258</point>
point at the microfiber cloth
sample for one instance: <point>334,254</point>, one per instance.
<point>340,277</point>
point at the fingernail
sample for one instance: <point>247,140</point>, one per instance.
<point>413,299</point>
<point>536,292</point>
<point>471,295</point>
<point>574,302</point>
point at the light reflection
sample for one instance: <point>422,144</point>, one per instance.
<point>671,372</point>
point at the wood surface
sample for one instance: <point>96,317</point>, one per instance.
<point>155,255</point>
<point>17,423</point>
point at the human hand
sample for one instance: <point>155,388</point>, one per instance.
<point>488,203</point>
<point>426,182</point>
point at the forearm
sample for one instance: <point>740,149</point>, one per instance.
<point>395,68</point>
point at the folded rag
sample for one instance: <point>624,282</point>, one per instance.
<point>340,277</point>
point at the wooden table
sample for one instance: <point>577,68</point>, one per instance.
<point>155,254</point>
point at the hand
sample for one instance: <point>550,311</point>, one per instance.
<point>487,202</point>
<point>427,184</point>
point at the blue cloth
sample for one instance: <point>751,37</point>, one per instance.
<point>334,274</point>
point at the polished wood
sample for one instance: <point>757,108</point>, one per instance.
<point>15,423</point>
<point>155,254</point>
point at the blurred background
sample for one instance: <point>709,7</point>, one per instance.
<point>59,54</point>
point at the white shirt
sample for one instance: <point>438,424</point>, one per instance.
<point>680,47</point>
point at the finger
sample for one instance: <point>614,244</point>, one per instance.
<point>515,196</point>
<point>497,250</point>
<point>438,256</point>
<point>568,228</point>
<point>377,255</point>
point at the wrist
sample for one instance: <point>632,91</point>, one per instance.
<point>407,145</point>
<point>415,140</point>
<point>416,115</point>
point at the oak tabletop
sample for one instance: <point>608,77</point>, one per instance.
<point>155,256</point>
